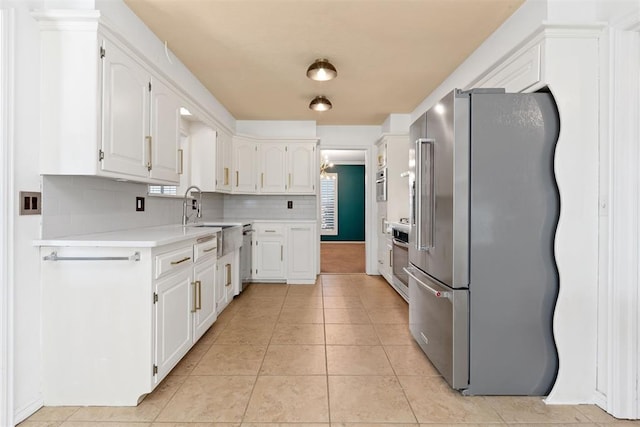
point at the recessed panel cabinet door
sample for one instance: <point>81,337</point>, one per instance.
<point>302,168</point>
<point>244,159</point>
<point>204,291</point>
<point>174,321</point>
<point>273,174</point>
<point>165,131</point>
<point>125,114</point>
<point>224,152</point>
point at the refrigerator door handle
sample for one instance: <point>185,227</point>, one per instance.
<point>436,293</point>
<point>424,183</point>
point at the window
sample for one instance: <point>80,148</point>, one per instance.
<point>329,204</point>
<point>170,190</point>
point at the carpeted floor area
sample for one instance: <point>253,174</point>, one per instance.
<point>342,257</point>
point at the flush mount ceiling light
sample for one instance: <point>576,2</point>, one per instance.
<point>322,70</point>
<point>320,103</point>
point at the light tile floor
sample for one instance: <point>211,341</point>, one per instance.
<point>337,353</point>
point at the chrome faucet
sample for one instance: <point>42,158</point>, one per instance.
<point>185,217</point>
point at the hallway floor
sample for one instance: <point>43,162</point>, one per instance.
<point>332,354</point>
<point>342,257</point>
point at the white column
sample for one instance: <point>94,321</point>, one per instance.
<point>6,184</point>
<point>623,322</point>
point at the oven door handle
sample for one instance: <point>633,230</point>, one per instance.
<point>436,293</point>
<point>400,243</point>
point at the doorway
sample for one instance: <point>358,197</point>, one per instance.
<point>343,211</point>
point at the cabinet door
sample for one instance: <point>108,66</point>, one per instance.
<point>204,276</point>
<point>225,277</point>
<point>165,133</point>
<point>125,114</point>
<point>223,162</point>
<point>273,174</point>
<point>173,321</point>
<point>301,252</point>
<point>244,160</point>
<point>203,151</point>
<point>220,294</point>
<point>303,168</point>
<point>269,252</point>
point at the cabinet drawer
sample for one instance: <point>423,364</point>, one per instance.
<point>174,260</point>
<point>205,247</point>
<point>270,229</point>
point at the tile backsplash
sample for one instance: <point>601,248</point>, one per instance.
<point>269,207</point>
<point>73,205</point>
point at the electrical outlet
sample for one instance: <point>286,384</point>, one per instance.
<point>139,204</point>
<point>30,203</point>
<point>289,204</point>
<point>194,204</point>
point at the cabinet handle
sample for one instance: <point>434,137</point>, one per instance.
<point>237,178</point>
<point>269,231</point>
<point>281,253</point>
<point>181,261</point>
<point>390,259</point>
<point>149,144</point>
<point>289,180</point>
<point>227,268</point>
<point>384,225</point>
<point>226,176</point>
<point>194,307</point>
<point>209,250</point>
<point>199,285</point>
<point>262,180</point>
<point>181,164</point>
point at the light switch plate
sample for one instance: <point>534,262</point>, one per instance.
<point>139,204</point>
<point>30,203</point>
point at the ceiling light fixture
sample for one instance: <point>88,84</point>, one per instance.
<point>320,103</point>
<point>322,70</point>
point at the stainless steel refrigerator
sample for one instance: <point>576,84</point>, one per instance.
<point>484,209</point>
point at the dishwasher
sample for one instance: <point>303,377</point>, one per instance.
<point>245,255</point>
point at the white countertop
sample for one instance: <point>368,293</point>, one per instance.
<point>146,237</point>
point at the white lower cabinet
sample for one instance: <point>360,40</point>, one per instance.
<point>285,252</point>
<point>301,253</point>
<point>204,306</point>
<point>269,251</point>
<point>174,322</point>
<point>116,320</point>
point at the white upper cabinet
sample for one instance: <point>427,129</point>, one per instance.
<point>140,119</point>
<point>203,156</point>
<point>273,175</point>
<point>125,114</point>
<point>165,132</point>
<point>244,166</point>
<point>104,112</point>
<point>273,166</point>
<point>224,153</point>
<point>302,168</point>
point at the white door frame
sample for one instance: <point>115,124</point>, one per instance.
<point>6,235</point>
<point>369,231</point>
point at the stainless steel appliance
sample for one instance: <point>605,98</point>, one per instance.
<point>245,255</point>
<point>484,209</point>
<point>400,259</point>
<point>381,185</point>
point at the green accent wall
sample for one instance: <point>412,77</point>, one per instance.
<point>350,203</point>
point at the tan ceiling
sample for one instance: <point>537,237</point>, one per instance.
<point>390,54</point>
